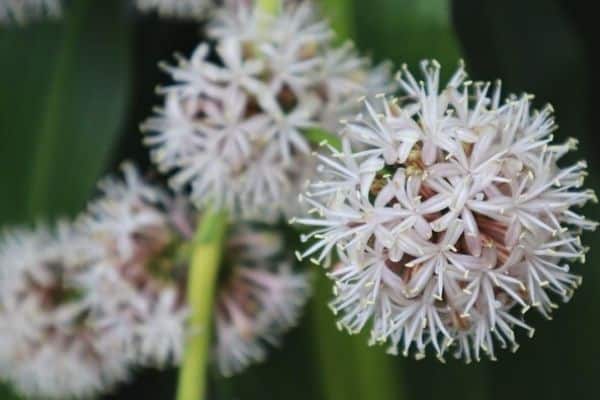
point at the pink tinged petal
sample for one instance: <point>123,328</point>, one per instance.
<point>422,276</point>
<point>392,280</point>
<point>513,232</point>
<point>466,135</point>
<point>298,140</point>
<point>435,203</point>
<point>429,151</point>
<point>404,151</point>
<point>445,170</point>
<point>409,245</point>
<point>480,151</point>
<point>385,195</point>
<point>375,118</point>
<point>444,221</point>
<point>403,226</point>
<point>472,238</point>
<point>368,170</point>
<point>395,253</point>
<point>455,230</point>
<point>422,227</point>
<point>389,155</point>
<point>413,186</point>
<point>384,236</point>
<point>461,194</point>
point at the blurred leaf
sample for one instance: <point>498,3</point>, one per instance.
<point>63,94</point>
<point>6,393</point>
<point>340,14</point>
<point>349,368</point>
<point>407,31</point>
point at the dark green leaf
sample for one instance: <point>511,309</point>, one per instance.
<point>63,93</point>
<point>407,31</point>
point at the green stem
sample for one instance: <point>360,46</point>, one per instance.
<point>269,7</point>
<point>202,277</point>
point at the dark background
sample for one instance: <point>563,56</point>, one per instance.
<point>73,93</point>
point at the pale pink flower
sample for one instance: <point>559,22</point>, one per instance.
<point>23,11</point>
<point>233,132</point>
<point>451,217</point>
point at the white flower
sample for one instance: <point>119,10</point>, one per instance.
<point>450,215</point>
<point>233,132</point>
<point>134,287</point>
<point>260,299</point>
<point>50,345</point>
<point>176,8</point>
<point>22,11</point>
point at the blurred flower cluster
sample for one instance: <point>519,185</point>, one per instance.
<point>97,296</point>
<point>233,130</point>
<point>21,11</point>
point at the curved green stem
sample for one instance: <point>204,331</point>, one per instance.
<point>270,7</point>
<point>203,271</point>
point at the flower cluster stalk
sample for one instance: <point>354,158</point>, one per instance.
<point>269,7</point>
<point>204,267</point>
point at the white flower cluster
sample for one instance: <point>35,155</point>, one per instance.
<point>22,11</point>
<point>83,303</point>
<point>260,298</point>
<point>450,217</point>
<point>80,306</point>
<point>233,130</point>
<point>50,346</point>
<point>176,8</point>
<point>134,287</point>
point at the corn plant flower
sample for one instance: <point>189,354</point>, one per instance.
<point>450,215</point>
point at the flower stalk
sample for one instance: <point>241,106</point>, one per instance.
<point>204,267</point>
<point>269,7</point>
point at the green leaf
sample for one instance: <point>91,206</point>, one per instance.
<point>63,94</point>
<point>349,368</point>
<point>6,393</point>
<point>407,31</point>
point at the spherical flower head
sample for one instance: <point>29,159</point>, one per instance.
<point>450,215</point>
<point>136,286</point>
<point>50,346</point>
<point>23,11</point>
<point>191,9</point>
<point>233,131</point>
<point>259,299</point>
